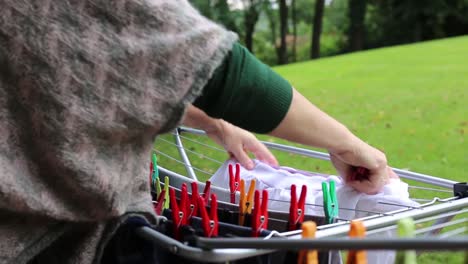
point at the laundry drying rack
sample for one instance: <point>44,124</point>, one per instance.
<point>441,220</point>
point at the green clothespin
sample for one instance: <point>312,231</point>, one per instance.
<point>157,183</point>
<point>330,201</point>
<point>405,228</point>
<point>155,176</point>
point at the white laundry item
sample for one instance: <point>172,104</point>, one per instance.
<point>353,204</point>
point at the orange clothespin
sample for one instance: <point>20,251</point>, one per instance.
<point>246,201</point>
<point>308,256</point>
<point>357,230</point>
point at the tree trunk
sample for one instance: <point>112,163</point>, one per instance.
<point>250,19</point>
<point>357,13</point>
<point>317,29</point>
<point>272,21</point>
<point>294,22</point>
<point>283,50</point>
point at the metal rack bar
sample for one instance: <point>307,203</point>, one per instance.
<point>195,253</point>
<point>183,155</point>
<point>384,221</point>
<point>434,243</point>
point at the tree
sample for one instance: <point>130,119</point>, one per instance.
<point>283,49</point>
<point>294,24</point>
<point>357,13</point>
<point>221,13</point>
<point>251,14</point>
<point>317,29</point>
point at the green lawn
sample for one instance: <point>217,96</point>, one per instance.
<point>410,101</point>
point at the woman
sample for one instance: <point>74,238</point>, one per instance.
<point>85,86</point>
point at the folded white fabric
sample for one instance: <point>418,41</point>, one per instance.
<point>278,180</point>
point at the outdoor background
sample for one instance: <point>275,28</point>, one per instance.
<point>393,71</point>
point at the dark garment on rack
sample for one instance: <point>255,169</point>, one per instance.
<point>126,247</point>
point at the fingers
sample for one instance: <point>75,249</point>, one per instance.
<point>239,142</point>
<point>262,153</point>
<point>242,157</point>
<point>391,173</point>
<point>367,157</point>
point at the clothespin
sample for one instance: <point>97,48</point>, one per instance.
<point>359,174</point>
<point>206,192</point>
<point>155,172</point>
<point>157,186</point>
<point>234,181</point>
<point>246,200</point>
<point>357,230</point>
<point>155,181</point>
<point>260,213</point>
<point>210,223</point>
<point>309,229</point>
<point>193,202</point>
<point>159,204</point>
<point>151,174</point>
<point>405,228</point>
<point>179,210</point>
<point>166,190</point>
<point>297,208</point>
<point>330,202</point>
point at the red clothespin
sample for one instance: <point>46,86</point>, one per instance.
<point>151,174</point>
<point>179,210</point>
<point>297,208</point>
<point>206,192</point>
<point>260,213</point>
<point>159,204</point>
<point>359,174</point>
<point>193,201</point>
<point>357,230</point>
<point>234,181</point>
<point>210,223</point>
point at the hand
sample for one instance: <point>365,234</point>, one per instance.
<point>239,142</point>
<point>360,154</point>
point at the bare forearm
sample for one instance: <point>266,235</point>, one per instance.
<point>196,118</point>
<point>306,124</point>
<point>236,141</point>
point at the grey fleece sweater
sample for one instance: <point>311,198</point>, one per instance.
<point>85,86</point>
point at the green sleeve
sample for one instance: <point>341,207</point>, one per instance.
<point>246,93</point>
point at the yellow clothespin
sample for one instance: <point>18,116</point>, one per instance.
<point>308,256</point>
<point>405,228</point>
<point>245,201</point>
<point>166,190</point>
<point>357,230</point>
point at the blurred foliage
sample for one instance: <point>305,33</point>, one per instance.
<point>385,23</point>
